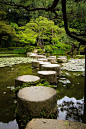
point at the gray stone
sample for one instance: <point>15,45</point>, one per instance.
<point>54,124</point>
<point>62,57</point>
<point>35,63</point>
<point>52,57</point>
<point>33,55</point>
<point>43,63</point>
<point>40,56</point>
<point>26,79</point>
<point>62,60</point>
<point>52,60</point>
<point>42,59</point>
<point>35,100</point>
<point>52,67</point>
<point>50,76</point>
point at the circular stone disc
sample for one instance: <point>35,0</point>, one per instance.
<point>44,63</point>
<point>46,72</point>
<point>28,78</point>
<point>36,93</point>
<point>51,65</point>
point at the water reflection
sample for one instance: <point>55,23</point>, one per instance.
<point>10,125</point>
<point>70,109</point>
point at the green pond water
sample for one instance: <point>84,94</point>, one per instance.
<point>70,89</point>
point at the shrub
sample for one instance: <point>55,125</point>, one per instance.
<point>20,51</point>
<point>48,49</point>
<point>40,51</point>
<point>29,48</point>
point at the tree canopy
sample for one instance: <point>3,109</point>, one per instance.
<point>69,14</point>
<point>51,6</point>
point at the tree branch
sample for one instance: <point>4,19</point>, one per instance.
<point>72,35</point>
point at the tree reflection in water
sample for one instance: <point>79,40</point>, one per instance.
<point>70,109</point>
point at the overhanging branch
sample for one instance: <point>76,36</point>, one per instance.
<point>70,34</point>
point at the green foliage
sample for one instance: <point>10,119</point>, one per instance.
<point>48,49</point>
<point>26,84</point>
<point>36,29</point>
<point>44,82</point>
<point>66,123</point>
<point>43,114</point>
<point>40,51</point>
<point>14,25</point>
<point>7,34</point>
<point>77,11</point>
<point>20,51</point>
<point>27,37</point>
<point>29,48</point>
<point>2,14</point>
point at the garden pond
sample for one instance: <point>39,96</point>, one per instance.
<point>70,92</point>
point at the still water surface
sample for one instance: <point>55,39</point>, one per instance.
<point>70,89</point>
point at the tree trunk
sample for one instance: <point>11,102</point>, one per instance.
<point>52,35</point>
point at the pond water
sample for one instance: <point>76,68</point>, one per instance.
<point>70,89</point>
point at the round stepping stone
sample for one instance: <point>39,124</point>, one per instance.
<point>40,56</point>
<point>54,124</point>
<point>35,100</point>
<point>52,57</point>
<point>62,57</point>
<point>42,59</point>
<point>52,67</point>
<point>50,76</point>
<point>26,79</point>
<point>28,54</point>
<point>43,63</point>
<point>62,60</point>
<point>52,60</point>
<point>35,63</point>
<point>33,55</point>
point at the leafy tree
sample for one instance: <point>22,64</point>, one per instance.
<point>14,25</point>
<point>7,34</point>
<point>27,37</point>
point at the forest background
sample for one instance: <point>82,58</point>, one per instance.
<point>22,31</point>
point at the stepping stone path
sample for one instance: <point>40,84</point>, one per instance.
<point>35,64</point>
<point>43,63</point>
<point>62,59</point>
<point>52,60</point>
<point>54,124</point>
<point>43,59</point>
<point>35,100</point>
<point>52,57</point>
<point>40,56</point>
<point>50,76</point>
<point>52,67</point>
<point>33,55</point>
<point>26,79</point>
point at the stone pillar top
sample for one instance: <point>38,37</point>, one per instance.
<point>44,63</point>
<point>28,78</point>
<point>46,72</point>
<point>51,65</point>
<point>36,93</point>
